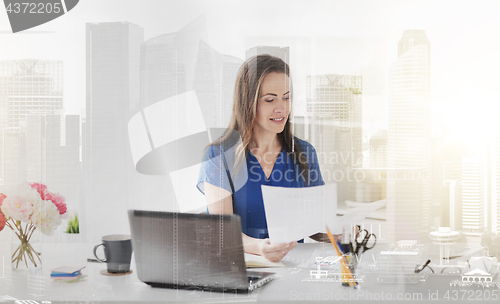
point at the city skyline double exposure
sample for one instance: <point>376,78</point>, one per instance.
<point>373,149</point>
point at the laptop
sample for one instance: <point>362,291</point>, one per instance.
<point>192,251</point>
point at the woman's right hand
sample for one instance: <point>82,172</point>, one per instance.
<point>275,252</point>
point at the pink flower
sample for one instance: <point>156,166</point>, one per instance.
<point>41,188</point>
<point>58,200</point>
<point>3,220</point>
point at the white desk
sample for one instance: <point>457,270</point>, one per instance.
<point>289,284</point>
<point>37,284</point>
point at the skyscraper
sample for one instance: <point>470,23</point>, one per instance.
<point>214,82</point>
<point>323,133</point>
<point>473,195</point>
<point>174,64</point>
<point>446,186</point>
<point>409,104</point>
<point>411,39</point>
<point>378,150</point>
<point>113,73</point>
<point>15,167</point>
<point>337,98</point>
<point>497,181</point>
<point>168,62</point>
<point>53,154</point>
<point>408,138</point>
<point>27,87</point>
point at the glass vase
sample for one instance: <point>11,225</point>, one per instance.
<point>25,247</point>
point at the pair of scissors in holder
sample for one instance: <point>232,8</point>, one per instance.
<point>368,241</point>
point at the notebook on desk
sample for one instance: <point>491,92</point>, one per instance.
<point>191,251</point>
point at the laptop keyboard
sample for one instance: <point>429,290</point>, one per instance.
<point>256,282</point>
<point>252,279</point>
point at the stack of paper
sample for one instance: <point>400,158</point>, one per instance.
<point>67,274</point>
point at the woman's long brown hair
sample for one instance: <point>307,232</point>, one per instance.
<point>246,94</point>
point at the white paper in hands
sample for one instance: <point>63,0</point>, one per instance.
<point>295,213</point>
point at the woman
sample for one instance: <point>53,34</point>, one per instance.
<point>263,152</point>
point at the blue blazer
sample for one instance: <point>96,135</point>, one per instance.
<point>248,179</point>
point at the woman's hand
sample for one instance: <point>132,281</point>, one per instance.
<point>275,252</point>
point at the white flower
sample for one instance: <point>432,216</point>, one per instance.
<point>17,208</point>
<point>19,202</point>
<point>46,217</point>
<point>31,195</point>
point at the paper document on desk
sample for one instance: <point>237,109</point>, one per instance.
<point>257,261</point>
<point>295,213</point>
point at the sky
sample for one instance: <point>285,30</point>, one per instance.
<point>337,37</point>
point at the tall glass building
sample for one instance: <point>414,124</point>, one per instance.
<point>473,194</point>
<point>409,138</point>
<point>338,99</point>
<point>112,95</point>
<point>182,61</point>
<point>27,87</point>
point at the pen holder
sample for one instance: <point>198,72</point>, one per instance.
<point>347,272</point>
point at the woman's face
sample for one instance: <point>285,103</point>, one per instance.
<point>273,105</point>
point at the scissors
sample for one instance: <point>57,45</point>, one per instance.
<point>366,237</point>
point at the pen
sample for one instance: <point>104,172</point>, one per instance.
<point>340,247</point>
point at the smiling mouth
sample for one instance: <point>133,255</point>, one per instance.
<point>277,119</point>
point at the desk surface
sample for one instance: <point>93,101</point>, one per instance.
<point>290,283</point>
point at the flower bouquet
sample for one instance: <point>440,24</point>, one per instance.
<point>24,209</point>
